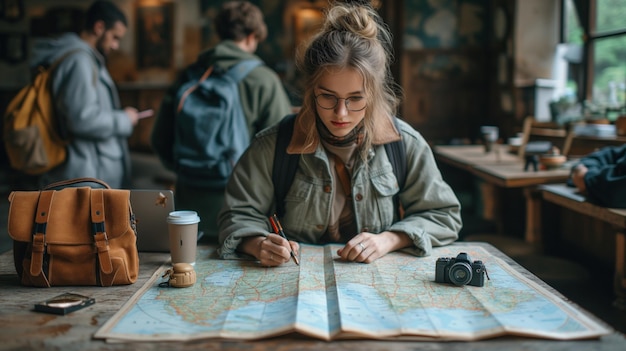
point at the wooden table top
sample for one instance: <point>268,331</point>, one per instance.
<point>500,167</point>
<point>24,329</point>
<point>514,175</point>
<point>468,156</point>
<point>570,198</point>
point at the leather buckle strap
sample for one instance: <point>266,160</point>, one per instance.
<point>100,237</point>
<point>37,260</point>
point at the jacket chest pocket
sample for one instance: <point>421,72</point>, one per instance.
<point>306,205</point>
<point>381,208</point>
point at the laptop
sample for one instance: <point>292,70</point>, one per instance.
<point>151,208</point>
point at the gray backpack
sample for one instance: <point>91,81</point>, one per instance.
<point>211,131</point>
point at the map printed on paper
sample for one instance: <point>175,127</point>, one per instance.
<point>327,298</point>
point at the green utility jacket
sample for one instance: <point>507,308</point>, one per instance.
<point>432,211</point>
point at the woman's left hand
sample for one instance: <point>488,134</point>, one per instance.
<point>367,247</point>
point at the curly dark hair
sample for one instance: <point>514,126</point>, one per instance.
<point>238,19</point>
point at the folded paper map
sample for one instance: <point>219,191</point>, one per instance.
<point>327,298</point>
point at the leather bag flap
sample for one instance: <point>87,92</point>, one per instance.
<point>69,220</point>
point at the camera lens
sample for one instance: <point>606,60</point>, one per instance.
<point>460,273</point>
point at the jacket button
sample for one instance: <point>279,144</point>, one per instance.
<point>327,189</point>
<point>358,197</point>
<point>319,227</point>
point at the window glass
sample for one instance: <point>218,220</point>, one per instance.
<point>610,15</point>
<point>573,29</point>
<point>607,53</point>
<point>573,33</point>
<point>609,79</point>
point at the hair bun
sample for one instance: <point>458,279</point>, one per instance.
<point>352,18</point>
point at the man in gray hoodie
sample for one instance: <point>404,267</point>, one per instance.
<point>86,99</point>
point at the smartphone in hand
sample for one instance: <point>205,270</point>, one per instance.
<point>145,113</point>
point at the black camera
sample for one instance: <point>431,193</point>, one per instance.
<point>460,270</point>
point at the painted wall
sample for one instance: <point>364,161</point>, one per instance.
<point>444,24</point>
<point>444,43</point>
<point>536,38</point>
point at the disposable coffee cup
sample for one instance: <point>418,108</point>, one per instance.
<point>490,136</point>
<point>183,232</point>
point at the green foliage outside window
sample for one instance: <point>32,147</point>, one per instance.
<point>609,51</point>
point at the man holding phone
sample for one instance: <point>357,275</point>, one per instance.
<point>86,99</point>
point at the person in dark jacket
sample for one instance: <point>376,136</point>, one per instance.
<point>601,175</point>
<point>241,27</point>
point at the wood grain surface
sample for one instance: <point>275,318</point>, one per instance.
<point>25,329</point>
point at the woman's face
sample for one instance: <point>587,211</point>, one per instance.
<point>336,89</point>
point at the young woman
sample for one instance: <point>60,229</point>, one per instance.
<point>344,186</point>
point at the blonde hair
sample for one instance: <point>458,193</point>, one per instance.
<point>353,36</point>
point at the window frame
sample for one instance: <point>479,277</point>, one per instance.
<point>587,12</point>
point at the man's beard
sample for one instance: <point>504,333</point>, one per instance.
<point>100,46</point>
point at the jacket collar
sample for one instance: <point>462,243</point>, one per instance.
<point>385,132</point>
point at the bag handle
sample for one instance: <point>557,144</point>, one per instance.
<point>78,182</point>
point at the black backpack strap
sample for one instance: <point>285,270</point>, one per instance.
<point>397,156</point>
<point>285,165</point>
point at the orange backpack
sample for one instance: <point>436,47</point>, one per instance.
<point>31,131</point>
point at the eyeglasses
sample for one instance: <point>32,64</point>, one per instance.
<point>329,102</point>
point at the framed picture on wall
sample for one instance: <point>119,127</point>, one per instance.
<point>155,36</point>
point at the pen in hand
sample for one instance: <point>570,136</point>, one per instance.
<point>278,229</point>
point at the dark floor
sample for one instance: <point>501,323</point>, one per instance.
<point>595,294</point>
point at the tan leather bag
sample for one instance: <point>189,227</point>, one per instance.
<point>76,232</point>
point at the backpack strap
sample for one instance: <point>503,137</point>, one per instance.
<point>58,61</point>
<point>240,70</point>
<point>285,164</point>
<point>190,90</point>
<point>237,72</point>
<point>397,156</point>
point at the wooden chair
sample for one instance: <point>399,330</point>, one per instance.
<point>533,130</point>
<point>577,146</point>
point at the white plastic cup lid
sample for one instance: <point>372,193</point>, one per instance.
<point>183,217</point>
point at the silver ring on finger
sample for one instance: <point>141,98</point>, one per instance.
<point>362,247</point>
<point>271,257</point>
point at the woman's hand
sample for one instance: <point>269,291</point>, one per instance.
<point>271,250</point>
<point>368,247</point>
